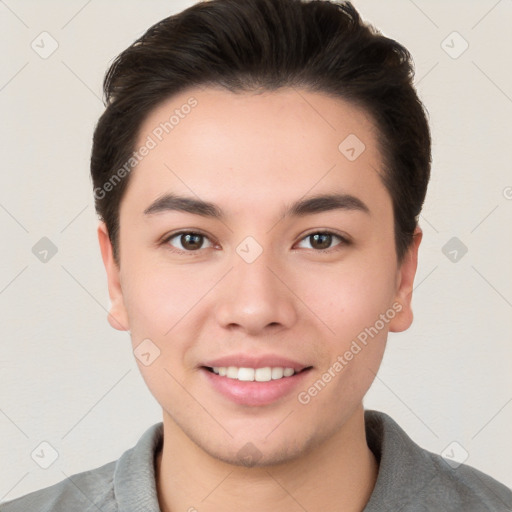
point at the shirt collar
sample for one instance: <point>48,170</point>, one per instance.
<point>134,476</point>
<point>404,468</point>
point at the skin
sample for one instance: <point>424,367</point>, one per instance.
<point>253,154</point>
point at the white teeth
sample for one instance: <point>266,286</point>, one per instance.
<point>246,373</point>
<point>277,373</point>
<point>263,374</point>
<point>253,374</point>
<point>232,372</point>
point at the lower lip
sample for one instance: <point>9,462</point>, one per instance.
<point>254,393</point>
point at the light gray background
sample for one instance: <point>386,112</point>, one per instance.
<point>68,379</point>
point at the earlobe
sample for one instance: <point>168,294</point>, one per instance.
<point>406,274</point>
<point>117,316</point>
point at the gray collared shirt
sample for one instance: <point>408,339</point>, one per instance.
<point>410,479</point>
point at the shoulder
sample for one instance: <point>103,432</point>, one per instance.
<point>112,487</point>
<point>463,487</point>
<point>88,491</point>
<point>415,479</point>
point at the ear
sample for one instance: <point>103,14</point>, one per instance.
<point>117,316</point>
<point>405,282</point>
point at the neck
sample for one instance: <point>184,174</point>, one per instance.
<point>338,475</point>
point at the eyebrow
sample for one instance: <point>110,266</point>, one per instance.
<point>302,207</point>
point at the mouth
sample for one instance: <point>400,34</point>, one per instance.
<point>259,386</point>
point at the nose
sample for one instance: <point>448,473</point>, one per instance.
<point>255,299</point>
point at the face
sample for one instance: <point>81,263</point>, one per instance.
<point>256,242</point>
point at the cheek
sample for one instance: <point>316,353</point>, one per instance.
<point>170,307</point>
<point>357,308</point>
<point>160,305</point>
<point>157,298</point>
<point>348,298</point>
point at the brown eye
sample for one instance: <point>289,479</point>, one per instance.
<point>191,241</point>
<point>322,241</point>
<point>187,242</point>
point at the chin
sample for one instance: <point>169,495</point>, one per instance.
<point>250,456</point>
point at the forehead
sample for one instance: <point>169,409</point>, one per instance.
<point>258,147</point>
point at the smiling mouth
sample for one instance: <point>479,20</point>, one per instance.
<point>264,374</point>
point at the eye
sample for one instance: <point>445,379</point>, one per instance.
<point>322,240</point>
<point>188,241</point>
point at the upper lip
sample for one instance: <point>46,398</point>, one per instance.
<point>252,361</point>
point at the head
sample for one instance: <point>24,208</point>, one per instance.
<point>231,122</point>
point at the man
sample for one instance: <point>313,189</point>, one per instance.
<point>259,172</point>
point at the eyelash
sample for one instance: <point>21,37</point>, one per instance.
<point>344,241</point>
